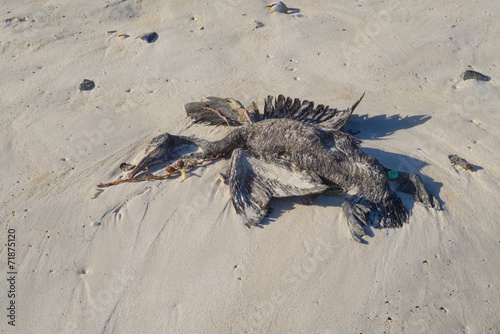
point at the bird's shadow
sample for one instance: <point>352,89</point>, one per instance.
<point>376,127</point>
<point>279,206</point>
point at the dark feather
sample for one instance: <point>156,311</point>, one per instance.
<point>254,182</point>
<point>221,111</point>
<point>323,116</point>
<point>215,111</point>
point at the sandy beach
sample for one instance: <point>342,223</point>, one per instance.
<point>174,257</point>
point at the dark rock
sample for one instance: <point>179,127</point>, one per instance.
<point>149,37</point>
<point>87,85</point>
<point>258,24</point>
<point>469,74</point>
<point>457,161</point>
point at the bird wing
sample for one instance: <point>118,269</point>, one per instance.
<point>254,182</point>
<point>325,117</point>
<point>227,111</point>
<point>217,111</point>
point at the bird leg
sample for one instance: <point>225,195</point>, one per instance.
<point>412,184</point>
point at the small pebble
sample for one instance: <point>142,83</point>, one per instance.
<point>469,74</point>
<point>277,7</point>
<point>258,24</point>
<point>87,85</point>
<point>17,18</point>
<point>457,161</point>
<point>149,37</point>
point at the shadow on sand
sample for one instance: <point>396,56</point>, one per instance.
<point>380,126</point>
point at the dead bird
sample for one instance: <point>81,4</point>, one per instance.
<point>291,149</point>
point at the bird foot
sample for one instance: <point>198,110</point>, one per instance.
<point>414,186</point>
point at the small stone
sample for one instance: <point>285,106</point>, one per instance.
<point>87,85</point>
<point>258,24</point>
<point>457,161</point>
<point>279,7</point>
<point>149,37</point>
<point>469,74</point>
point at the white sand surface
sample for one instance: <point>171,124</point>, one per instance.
<point>171,257</point>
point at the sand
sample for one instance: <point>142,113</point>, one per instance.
<point>172,257</point>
